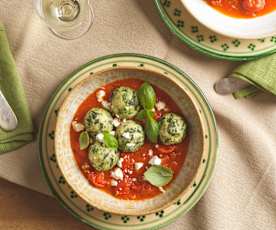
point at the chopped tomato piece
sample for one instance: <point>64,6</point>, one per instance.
<point>166,161</point>
<point>97,179</point>
<point>157,115</point>
<point>253,6</point>
<point>215,2</point>
<point>174,165</point>
<point>166,149</point>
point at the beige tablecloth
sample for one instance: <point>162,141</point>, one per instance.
<point>242,194</point>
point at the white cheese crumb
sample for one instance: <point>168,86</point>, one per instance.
<point>100,94</point>
<point>160,105</point>
<point>117,174</point>
<point>126,135</point>
<point>78,127</point>
<point>155,160</point>
<point>116,122</point>
<point>114,183</point>
<point>156,146</point>
<point>134,179</point>
<point>129,145</point>
<point>100,137</point>
<point>124,120</point>
<point>138,165</point>
<point>162,189</point>
<point>120,162</point>
<point>150,152</point>
<point>112,133</point>
<point>106,104</point>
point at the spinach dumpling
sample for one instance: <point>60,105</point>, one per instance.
<point>102,158</point>
<point>172,130</point>
<point>98,120</point>
<point>130,136</point>
<point>124,102</point>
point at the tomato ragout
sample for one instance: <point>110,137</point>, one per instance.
<point>133,186</point>
<point>244,8</point>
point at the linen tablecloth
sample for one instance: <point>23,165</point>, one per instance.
<point>242,194</point>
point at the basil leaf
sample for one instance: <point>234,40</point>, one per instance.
<point>158,175</point>
<point>110,141</point>
<point>84,140</point>
<point>151,128</point>
<point>146,95</point>
<point>141,115</point>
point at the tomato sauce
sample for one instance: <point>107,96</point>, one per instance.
<point>133,186</point>
<point>244,8</point>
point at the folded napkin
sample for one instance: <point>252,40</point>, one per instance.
<point>11,87</point>
<point>250,78</point>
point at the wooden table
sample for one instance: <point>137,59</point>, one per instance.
<point>23,209</point>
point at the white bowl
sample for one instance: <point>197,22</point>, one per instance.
<point>245,28</point>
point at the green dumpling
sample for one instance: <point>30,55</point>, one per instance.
<point>102,158</point>
<point>130,136</point>
<point>172,130</point>
<point>124,102</point>
<point>98,120</point>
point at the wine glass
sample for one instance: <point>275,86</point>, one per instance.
<point>67,19</point>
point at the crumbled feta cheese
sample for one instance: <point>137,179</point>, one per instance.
<point>162,189</point>
<point>117,174</point>
<point>126,135</point>
<point>120,162</point>
<point>156,146</point>
<point>124,120</point>
<point>116,122</point>
<point>100,137</point>
<point>150,152</point>
<point>160,105</point>
<point>112,133</point>
<point>100,94</point>
<point>138,165</point>
<point>155,160</point>
<point>114,183</point>
<point>134,179</point>
<point>78,127</point>
<point>129,145</point>
<point>106,104</point>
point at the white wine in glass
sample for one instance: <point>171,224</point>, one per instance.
<point>68,19</point>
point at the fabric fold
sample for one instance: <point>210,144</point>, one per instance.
<point>11,87</point>
<point>260,74</point>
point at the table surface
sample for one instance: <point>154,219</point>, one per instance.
<point>242,194</point>
<point>33,210</point>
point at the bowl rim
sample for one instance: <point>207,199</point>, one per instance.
<point>227,33</point>
<point>202,187</point>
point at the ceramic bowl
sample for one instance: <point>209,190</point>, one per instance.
<point>193,169</point>
<point>245,28</point>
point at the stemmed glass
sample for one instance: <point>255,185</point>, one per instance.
<point>68,19</point>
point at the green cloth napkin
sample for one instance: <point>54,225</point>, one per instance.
<point>260,74</point>
<point>11,86</point>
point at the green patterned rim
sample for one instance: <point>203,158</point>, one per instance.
<point>200,38</point>
<point>77,207</point>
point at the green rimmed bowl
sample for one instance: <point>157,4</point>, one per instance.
<point>199,37</point>
<point>78,206</point>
